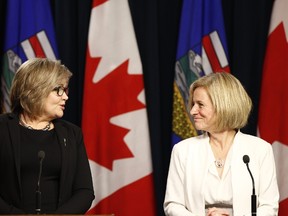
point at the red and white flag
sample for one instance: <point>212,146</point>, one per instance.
<point>114,119</point>
<point>273,109</point>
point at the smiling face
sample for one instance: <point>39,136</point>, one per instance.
<point>202,110</point>
<point>54,104</point>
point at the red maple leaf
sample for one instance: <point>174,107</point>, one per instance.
<point>113,95</point>
<point>273,109</point>
<point>96,3</point>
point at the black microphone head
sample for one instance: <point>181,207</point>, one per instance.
<point>41,155</point>
<point>246,159</point>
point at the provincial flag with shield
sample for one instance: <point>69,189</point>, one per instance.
<point>201,50</point>
<point>29,33</point>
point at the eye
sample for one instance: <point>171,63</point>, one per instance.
<point>60,90</point>
<point>200,105</point>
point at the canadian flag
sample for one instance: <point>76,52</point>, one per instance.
<point>273,109</point>
<point>114,119</point>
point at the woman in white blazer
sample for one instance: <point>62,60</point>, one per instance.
<point>207,175</point>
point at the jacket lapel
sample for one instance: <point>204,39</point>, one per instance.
<point>14,132</point>
<point>240,182</point>
<point>62,136</point>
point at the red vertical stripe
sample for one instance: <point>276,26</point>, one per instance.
<point>212,55</point>
<point>38,50</point>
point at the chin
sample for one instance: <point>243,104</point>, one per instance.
<point>59,115</point>
<point>198,127</point>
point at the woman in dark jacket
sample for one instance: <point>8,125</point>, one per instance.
<point>39,151</point>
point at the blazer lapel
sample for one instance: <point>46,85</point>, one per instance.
<point>240,182</point>
<point>62,136</point>
<point>14,132</point>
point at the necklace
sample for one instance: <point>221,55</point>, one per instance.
<point>219,163</point>
<point>46,128</point>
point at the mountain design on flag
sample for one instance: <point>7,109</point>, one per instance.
<point>11,63</point>
<point>124,100</point>
<point>201,50</point>
<point>38,45</point>
<point>188,69</point>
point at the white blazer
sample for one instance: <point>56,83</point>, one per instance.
<point>189,167</point>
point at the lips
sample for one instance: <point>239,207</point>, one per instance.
<point>196,119</point>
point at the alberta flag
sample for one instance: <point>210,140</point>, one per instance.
<point>273,109</point>
<point>29,33</point>
<point>114,119</point>
<point>201,50</point>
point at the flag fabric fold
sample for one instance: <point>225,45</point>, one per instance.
<point>114,119</point>
<point>273,107</point>
<point>29,33</point>
<point>202,49</point>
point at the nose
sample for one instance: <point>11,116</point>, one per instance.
<point>193,110</point>
<point>65,96</point>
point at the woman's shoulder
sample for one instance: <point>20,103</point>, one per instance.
<point>4,116</point>
<point>7,116</point>
<point>66,124</point>
<point>193,142</point>
<point>248,138</point>
<point>254,143</point>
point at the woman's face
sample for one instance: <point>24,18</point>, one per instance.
<point>54,104</point>
<point>202,110</point>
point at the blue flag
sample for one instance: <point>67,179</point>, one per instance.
<point>201,50</point>
<point>29,33</point>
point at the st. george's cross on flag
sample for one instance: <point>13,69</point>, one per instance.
<point>114,119</point>
<point>201,50</point>
<point>273,108</point>
<point>29,33</point>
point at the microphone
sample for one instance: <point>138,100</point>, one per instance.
<point>246,160</point>
<point>41,156</point>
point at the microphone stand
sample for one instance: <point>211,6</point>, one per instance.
<point>246,160</point>
<point>253,204</point>
<point>38,201</point>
